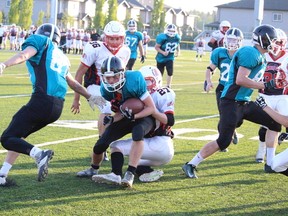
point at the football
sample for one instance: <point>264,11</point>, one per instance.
<point>135,104</point>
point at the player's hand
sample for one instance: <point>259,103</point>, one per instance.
<point>270,84</point>
<point>207,86</point>
<point>115,104</point>
<point>108,120</point>
<point>260,101</point>
<point>2,67</point>
<point>142,60</point>
<point>96,100</point>
<point>127,113</point>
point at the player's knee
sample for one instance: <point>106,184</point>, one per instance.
<point>100,147</point>
<point>223,143</point>
<point>5,142</point>
<point>138,133</point>
<point>262,134</point>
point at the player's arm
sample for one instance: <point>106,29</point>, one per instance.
<point>21,57</point>
<point>208,77</point>
<point>213,43</point>
<point>243,79</point>
<point>159,50</point>
<point>79,78</point>
<point>149,108</point>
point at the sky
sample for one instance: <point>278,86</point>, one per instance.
<point>199,5</point>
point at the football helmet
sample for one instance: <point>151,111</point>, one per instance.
<point>223,24</point>
<point>233,39</point>
<point>114,30</point>
<point>153,78</point>
<point>171,30</point>
<point>49,30</point>
<point>113,67</point>
<point>265,36</point>
<point>132,25</point>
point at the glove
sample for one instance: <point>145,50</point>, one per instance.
<point>108,120</point>
<point>96,100</point>
<point>127,113</point>
<point>270,85</point>
<point>142,60</point>
<point>260,101</point>
<point>2,67</point>
<point>115,104</point>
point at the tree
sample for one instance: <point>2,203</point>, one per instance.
<point>99,19</point>
<point>112,13</point>
<point>67,19</point>
<point>158,16</point>
<point>40,18</point>
<point>1,16</point>
<point>13,14</point>
<point>26,10</point>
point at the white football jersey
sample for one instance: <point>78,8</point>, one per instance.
<point>218,36</point>
<point>164,100</point>
<point>95,52</point>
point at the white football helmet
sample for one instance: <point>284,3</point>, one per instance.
<point>233,39</point>
<point>153,78</point>
<point>223,24</point>
<point>132,25</point>
<point>171,30</point>
<point>114,29</point>
<point>281,39</point>
<point>113,67</point>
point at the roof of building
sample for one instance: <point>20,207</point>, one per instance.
<point>280,5</point>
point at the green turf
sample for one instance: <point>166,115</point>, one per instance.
<point>229,183</point>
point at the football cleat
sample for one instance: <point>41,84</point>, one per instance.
<point>151,176</point>
<point>110,178</point>
<point>87,173</point>
<point>42,163</point>
<point>2,180</point>
<point>235,138</point>
<point>268,169</point>
<point>224,150</point>
<point>128,179</point>
<point>189,170</point>
<point>106,158</point>
<point>282,137</point>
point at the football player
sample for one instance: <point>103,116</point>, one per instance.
<point>95,52</point>
<point>276,98</point>
<point>221,58</point>
<point>167,47</point>
<point>133,40</point>
<point>41,54</point>
<point>118,85</point>
<point>246,70</point>
<point>158,145</point>
<point>218,35</point>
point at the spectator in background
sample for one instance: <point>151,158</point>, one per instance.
<point>2,31</point>
<point>13,33</point>
<point>218,35</point>
<point>63,40</point>
<point>21,38</point>
<point>146,40</point>
<point>200,46</point>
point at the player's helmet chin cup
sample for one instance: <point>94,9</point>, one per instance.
<point>266,37</point>
<point>113,67</point>
<point>171,30</point>
<point>153,78</point>
<point>114,29</point>
<point>49,30</point>
<point>233,39</point>
<point>132,25</point>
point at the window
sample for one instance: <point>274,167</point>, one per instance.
<point>277,17</point>
<point>8,3</point>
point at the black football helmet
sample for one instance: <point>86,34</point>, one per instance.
<point>113,67</point>
<point>265,36</point>
<point>49,30</point>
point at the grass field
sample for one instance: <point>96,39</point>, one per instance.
<point>229,183</point>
